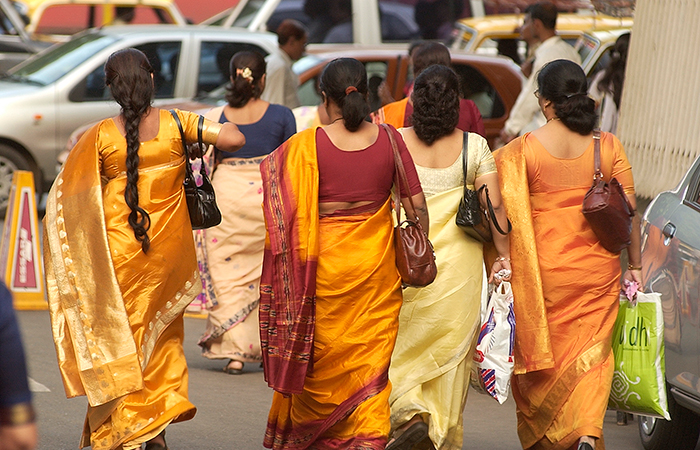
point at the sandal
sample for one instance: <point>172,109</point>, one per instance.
<point>232,370</point>
<point>409,437</point>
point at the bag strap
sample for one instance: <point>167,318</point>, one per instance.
<point>399,179</point>
<point>188,165</point>
<point>492,213</point>
<point>596,152</point>
<point>465,162</point>
<point>200,142</point>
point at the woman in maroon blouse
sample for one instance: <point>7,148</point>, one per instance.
<point>330,292</point>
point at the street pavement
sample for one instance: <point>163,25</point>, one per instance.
<point>232,410</point>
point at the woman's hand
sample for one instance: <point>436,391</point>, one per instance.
<point>500,271</point>
<point>633,275</point>
<point>194,151</point>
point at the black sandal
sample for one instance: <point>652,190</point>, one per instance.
<point>231,370</point>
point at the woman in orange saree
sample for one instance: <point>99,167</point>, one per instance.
<point>330,290</point>
<point>120,264</point>
<point>566,285</point>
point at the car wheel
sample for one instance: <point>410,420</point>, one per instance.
<point>10,160</point>
<point>681,433</point>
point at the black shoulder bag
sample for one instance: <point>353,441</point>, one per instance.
<point>201,200</point>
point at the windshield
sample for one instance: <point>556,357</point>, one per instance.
<point>59,60</point>
<point>248,13</point>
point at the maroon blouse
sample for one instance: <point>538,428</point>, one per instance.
<point>362,175</point>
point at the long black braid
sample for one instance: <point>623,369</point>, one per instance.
<point>128,74</point>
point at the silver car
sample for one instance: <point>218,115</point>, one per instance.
<point>671,266</point>
<point>43,100</point>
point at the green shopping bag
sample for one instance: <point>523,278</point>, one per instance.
<point>638,344</point>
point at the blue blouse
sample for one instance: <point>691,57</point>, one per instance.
<point>262,137</point>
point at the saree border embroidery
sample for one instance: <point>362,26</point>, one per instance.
<point>559,393</point>
<point>90,359</point>
<point>165,316</point>
<point>288,280</point>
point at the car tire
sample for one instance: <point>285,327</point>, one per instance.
<point>680,433</point>
<point>12,159</point>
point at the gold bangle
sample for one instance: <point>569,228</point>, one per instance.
<point>631,267</point>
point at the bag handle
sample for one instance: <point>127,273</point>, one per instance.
<point>596,155</point>
<point>483,187</point>
<point>399,179</point>
<point>200,142</point>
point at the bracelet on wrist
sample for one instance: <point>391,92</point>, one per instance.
<point>502,258</point>
<point>632,267</point>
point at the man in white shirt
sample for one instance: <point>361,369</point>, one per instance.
<point>540,21</point>
<point>281,82</point>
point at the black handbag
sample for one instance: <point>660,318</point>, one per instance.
<point>201,200</point>
<point>472,217</point>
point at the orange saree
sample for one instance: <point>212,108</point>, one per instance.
<point>577,279</point>
<point>116,312</point>
<point>330,299</point>
<point>393,113</point>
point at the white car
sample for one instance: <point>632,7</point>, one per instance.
<point>44,99</point>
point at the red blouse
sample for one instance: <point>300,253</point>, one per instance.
<point>362,175</point>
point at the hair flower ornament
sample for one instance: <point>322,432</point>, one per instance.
<point>246,73</point>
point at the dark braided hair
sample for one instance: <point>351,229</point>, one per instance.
<point>435,103</point>
<point>128,75</point>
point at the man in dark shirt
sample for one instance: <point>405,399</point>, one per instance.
<point>17,427</point>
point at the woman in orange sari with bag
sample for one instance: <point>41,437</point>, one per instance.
<point>330,291</point>
<point>121,266</point>
<point>566,286</point>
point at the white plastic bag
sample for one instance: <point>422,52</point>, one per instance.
<point>493,356</point>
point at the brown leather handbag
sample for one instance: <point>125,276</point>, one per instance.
<point>415,257</point>
<point>607,208</point>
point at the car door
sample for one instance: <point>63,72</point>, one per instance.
<point>671,257</point>
<point>83,97</point>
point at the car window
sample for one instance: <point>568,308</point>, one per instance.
<point>164,58</point>
<point>214,59</point>
<point>476,87</point>
<point>72,18</point>
<point>376,73</point>
<point>602,63</point>
<point>585,46</point>
<point>59,60</point>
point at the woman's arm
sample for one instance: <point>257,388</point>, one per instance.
<point>229,138</point>
<point>500,241</point>
<point>634,250</point>
<point>421,210</point>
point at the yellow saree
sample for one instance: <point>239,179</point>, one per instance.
<point>340,311</point>
<point>579,282</point>
<point>117,313</point>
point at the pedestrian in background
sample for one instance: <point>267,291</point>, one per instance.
<point>234,248</point>
<point>121,266</point>
<point>330,289</point>
<point>17,419</point>
<point>431,363</point>
<point>398,114</point>
<point>282,82</point>
<point>606,87</point>
<point>539,25</point>
<point>566,286</point>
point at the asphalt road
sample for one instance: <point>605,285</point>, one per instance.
<point>232,410</point>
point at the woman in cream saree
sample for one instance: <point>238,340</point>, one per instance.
<point>118,287</point>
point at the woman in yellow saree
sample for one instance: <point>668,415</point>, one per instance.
<point>431,364</point>
<point>330,291</point>
<point>566,285</point>
<point>121,266</point>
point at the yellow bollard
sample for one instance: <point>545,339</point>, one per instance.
<point>20,252</point>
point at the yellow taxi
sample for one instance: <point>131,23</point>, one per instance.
<point>57,20</point>
<point>482,34</point>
